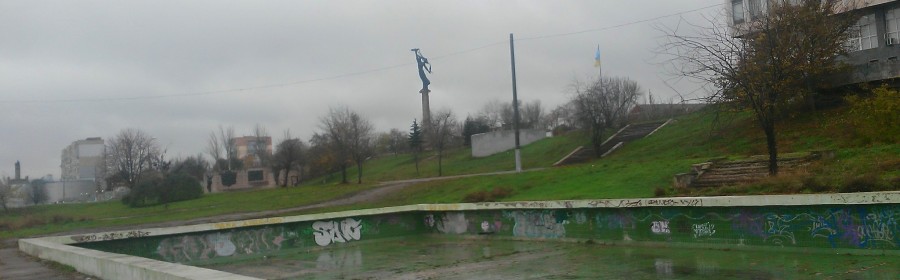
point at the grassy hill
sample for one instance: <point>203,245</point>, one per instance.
<point>45,219</point>
<point>459,161</point>
<point>639,169</point>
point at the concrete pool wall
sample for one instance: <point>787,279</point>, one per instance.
<point>863,223</point>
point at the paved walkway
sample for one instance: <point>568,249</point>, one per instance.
<point>16,265</point>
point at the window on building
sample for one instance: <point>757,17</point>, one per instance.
<point>757,8</point>
<point>892,23</point>
<point>255,175</point>
<point>863,35</point>
<point>737,11</point>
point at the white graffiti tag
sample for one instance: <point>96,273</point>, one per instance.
<point>332,231</point>
<point>704,229</point>
<point>660,227</point>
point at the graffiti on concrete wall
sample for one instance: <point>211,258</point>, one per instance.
<point>194,247</point>
<point>538,223</point>
<point>703,230</point>
<point>453,222</point>
<point>327,232</point>
<point>109,236</point>
<point>660,227</point>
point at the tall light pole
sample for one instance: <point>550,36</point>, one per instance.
<point>512,55</point>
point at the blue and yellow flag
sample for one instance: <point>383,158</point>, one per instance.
<point>597,57</point>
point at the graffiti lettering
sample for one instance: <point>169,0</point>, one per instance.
<point>876,229</point>
<point>778,229</point>
<point>704,229</point>
<point>626,203</point>
<point>429,220</point>
<point>537,224</point>
<point>187,248</point>
<point>660,227</point>
<point>332,231</point>
<point>454,222</point>
<point>109,236</point>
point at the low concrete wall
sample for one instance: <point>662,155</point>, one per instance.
<point>864,223</point>
<point>485,144</point>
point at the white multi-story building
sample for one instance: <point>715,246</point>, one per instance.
<point>874,45</point>
<point>83,160</point>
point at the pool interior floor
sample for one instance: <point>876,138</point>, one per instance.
<point>424,257</point>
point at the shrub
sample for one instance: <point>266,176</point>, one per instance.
<point>814,185</point>
<point>659,192</point>
<point>876,117</point>
<point>864,183</point>
<point>172,188</point>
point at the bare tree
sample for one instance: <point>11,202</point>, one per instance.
<point>563,116</point>
<point>603,104</point>
<point>494,112</point>
<point>766,64</point>
<point>351,136</point>
<point>531,115</point>
<point>6,191</point>
<point>261,152</point>
<point>393,142</point>
<point>221,147</point>
<point>321,156</point>
<point>214,149</point>
<point>37,193</point>
<point>289,155</point>
<point>131,153</point>
<point>443,128</point>
<point>499,115</point>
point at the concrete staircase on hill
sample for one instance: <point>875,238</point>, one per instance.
<point>720,172</point>
<point>626,134</point>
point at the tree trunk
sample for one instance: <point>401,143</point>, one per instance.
<point>416,159</point>
<point>597,140</point>
<point>440,166</point>
<point>359,172</point>
<point>772,147</point>
<point>343,173</point>
<point>810,96</point>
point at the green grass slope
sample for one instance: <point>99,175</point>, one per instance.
<point>642,166</point>
<point>46,219</point>
<point>459,161</point>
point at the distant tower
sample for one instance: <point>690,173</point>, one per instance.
<point>18,171</point>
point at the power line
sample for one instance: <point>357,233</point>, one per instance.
<point>359,73</point>
<point>616,26</point>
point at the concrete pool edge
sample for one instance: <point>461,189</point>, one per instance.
<point>120,266</point>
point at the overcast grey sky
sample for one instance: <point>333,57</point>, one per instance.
<point>68,68</point>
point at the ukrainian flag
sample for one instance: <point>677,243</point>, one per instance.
<point>597,57</point>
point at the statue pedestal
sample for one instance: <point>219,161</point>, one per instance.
<point>426,110</point>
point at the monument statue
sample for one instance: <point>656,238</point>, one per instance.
<point>423,64</point>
